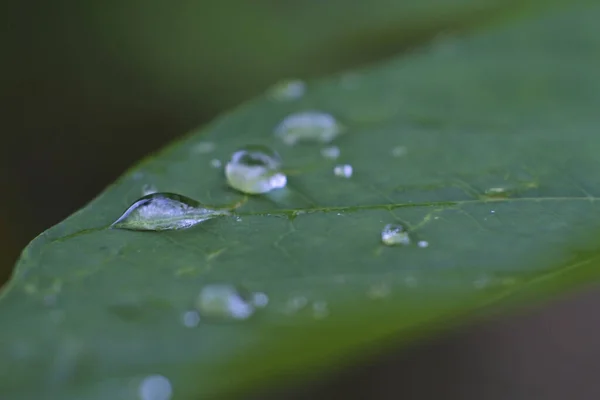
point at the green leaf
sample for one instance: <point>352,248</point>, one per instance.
<point>500,133</point>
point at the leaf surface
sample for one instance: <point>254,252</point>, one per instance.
<point>484,146</point>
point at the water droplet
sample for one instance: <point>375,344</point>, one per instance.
<point>320,309</point>
<point>223,301</point>
<point>399,151</point>
<point>216,163</point>
<point>492,211</point>
<point>165,211</point>
<point>481,282</point>
<point>155,387</point>
<point>379,291</point>
<point>344,171</point>
<point>204,147</point>
<point>423,243</point>
<point>394,234</point>
<point>331,152</point>
<point>255,170</point>
<point>497,192</point>
<point>260,299</point>
<point>191,319</point>
<point>308,126</point>
<point>288,90</point>
<point>296,303</point>
<point>410,281</point>
<point>148,189</point>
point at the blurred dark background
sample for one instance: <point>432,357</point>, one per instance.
<point>88,88</point>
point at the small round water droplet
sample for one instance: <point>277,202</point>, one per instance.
<point>288,90</point>
<point>314,126</point>
<point>204,147</point>
<point>482,282</point>
<point>410,281</point>
<point>423,243</point>
<point>379,291</point>
<point>497,192</point>
<point>260,299</point>
<point>492,211</point>
<point>223,301</point>
<point>344,171</point>
<point>165,211</point>
<point>148,189</point>
<point>296,303</point>
<point>331,152</point>
<point>394,234</point>
<point>320,309</point>
<point>155,387</point>
<point>399,151</point>
<point>215,163</point>
<point>255,170</point>
<point>191,319</point>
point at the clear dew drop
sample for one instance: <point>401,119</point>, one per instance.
<point>394,235</point>
<point>216,163</point>
<point>260,299</point>
<point>191,319</point>
<point>423,243</point>
<point>255,170</point>
<point>288,90</point>
<point>148,189</point>
<point>330,152</point>
<point>204,147</point>
<point>165,211</point>
<point>310,126</point>
<point>155,387</point>
<point>223,301</point>
<point>343,171</point>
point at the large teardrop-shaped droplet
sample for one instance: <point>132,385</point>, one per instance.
<point>255,169</point>
<point>165,211</point>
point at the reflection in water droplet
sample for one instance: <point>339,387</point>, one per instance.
<point>148,189</point>
<point>260,299</point>
<point>344,171</point>
<point>312,126</point>
<point>394,234</point>
<point>288,90</point>
<point>423,243</point>
<point>255,170</point>
<point>215,163</point>
<point>165,211</point>
<point>204,147</point>
<point>320,309</point>
<point>191,319</point>
<point>155,387</point>
<point>399,151</point>
<point>223,301</point>
<point>331,152</point>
